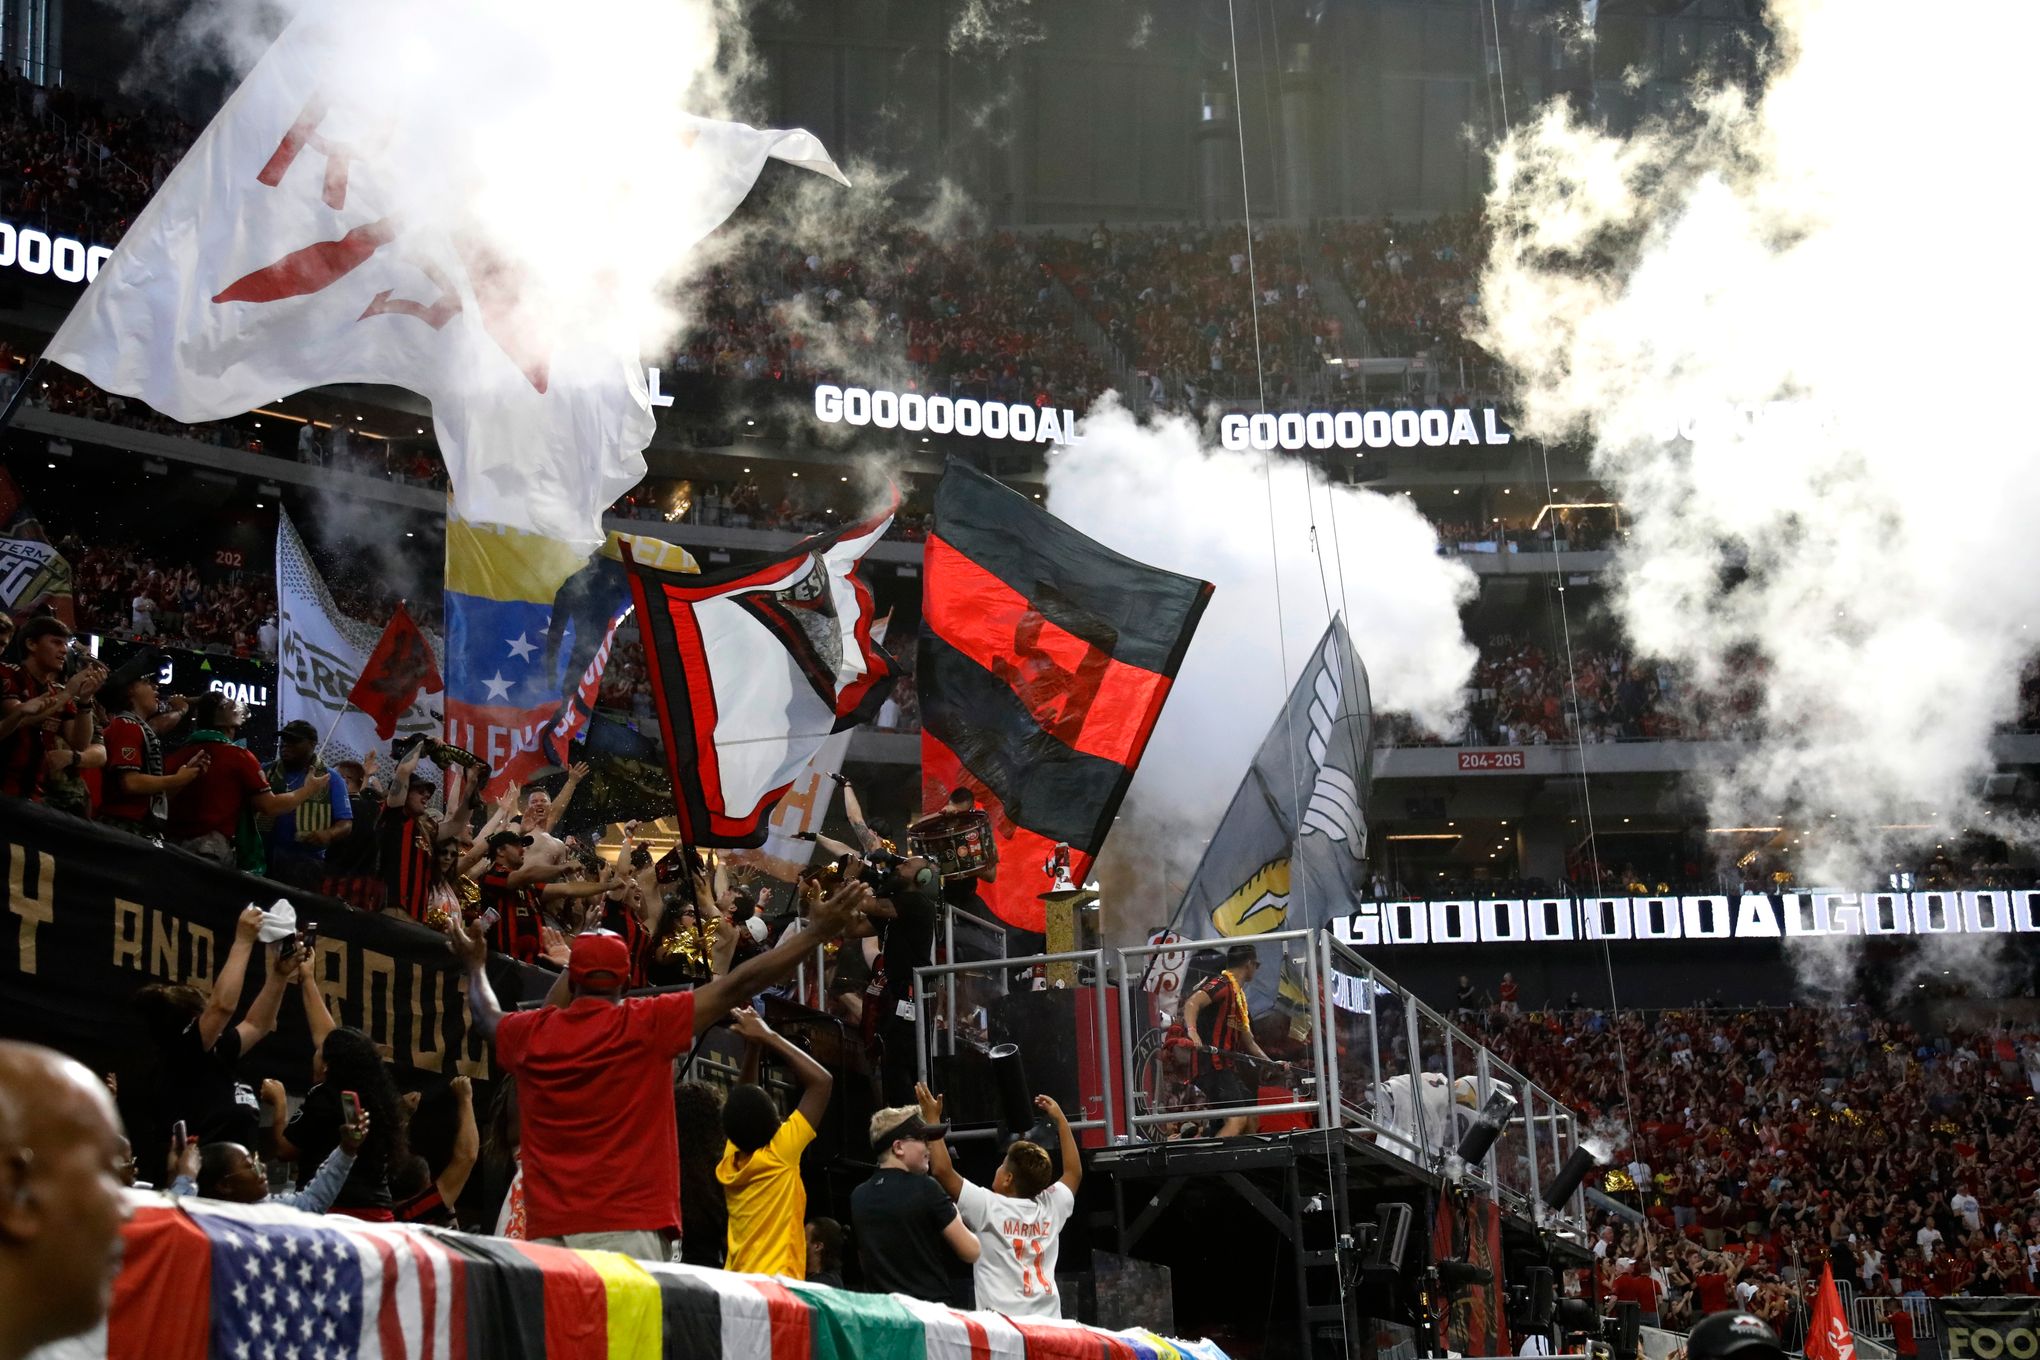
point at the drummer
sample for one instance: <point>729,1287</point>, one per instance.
<point>960,889</point>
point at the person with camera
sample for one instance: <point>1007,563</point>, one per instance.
<point>903,915</point>
<point>231,1172</point>
<point>594,1071</point>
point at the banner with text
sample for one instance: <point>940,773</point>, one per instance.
<point>1990,1329</point>
<point>97,915</point>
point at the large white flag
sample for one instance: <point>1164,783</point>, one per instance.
<point>323,229</point>
<point>801,810</point>
<point>319,655</point>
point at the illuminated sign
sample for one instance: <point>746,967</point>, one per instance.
<point>1818,914</point>
<point>34,251</point>
<point>1435,429</point>
<point>1019,421</point>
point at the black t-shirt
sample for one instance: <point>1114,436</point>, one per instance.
<point>315,1130</point>
<point>203,1091</point>
<point>900,1218</point>
<point>358,854</point>
<point>908,941</point>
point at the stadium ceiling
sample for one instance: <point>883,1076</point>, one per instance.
<point>1750,10</point>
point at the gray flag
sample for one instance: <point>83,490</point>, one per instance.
<point>1291,851</point>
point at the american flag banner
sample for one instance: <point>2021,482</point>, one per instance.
<point>208,1281</point>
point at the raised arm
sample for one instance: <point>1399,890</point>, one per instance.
<point>473,953</point>
<point>939,1165</point>
<point>1072,1161</point>
<point>866,837</point>
<point>467,1143</point>
<point>271,804</point>
<point>576,772</point>
<point>317,1017</point>
<point>400,780</point>
<point>715,999</point>
<point>816,1082</point>
<point>226,991</point>
<point>260,1022</point>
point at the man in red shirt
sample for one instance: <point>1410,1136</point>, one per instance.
<point>1711,1284</point>
<point>594,1069</point>
<point>136,792</point>
<point>1635,1285</point>
<point>206,815</point>
<point>36,709</point>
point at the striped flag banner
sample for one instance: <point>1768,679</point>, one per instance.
<point>209,1281</point>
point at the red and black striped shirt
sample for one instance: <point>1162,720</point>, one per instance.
<point>620,919</point>
<point>406,853</point>
<point>518,917</point>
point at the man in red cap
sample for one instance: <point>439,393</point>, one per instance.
<point>594,1069</point>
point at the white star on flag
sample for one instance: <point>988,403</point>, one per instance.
<point>499,688</point>
<point>521,647</point>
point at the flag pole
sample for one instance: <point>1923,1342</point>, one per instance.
<point>20,391</point>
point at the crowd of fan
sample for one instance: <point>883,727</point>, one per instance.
<point>1415,283</point>
<point>586,1081</point>
<point>1177,303</point>
<point>120,590</point>
<point>1767,1142</point>
<point>971,317</point>
<point>73,163</point>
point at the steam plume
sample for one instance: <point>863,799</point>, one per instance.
<point>1864,556</point>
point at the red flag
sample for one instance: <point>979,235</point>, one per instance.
<point>1828,1336</point>
<point>400,666</point>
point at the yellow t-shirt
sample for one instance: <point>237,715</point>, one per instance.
<point>768,1203</point>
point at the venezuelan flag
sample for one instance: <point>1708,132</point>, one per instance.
<point>524,615</point>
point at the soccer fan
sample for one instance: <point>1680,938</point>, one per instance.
<point>1636,1285</point>
<point>135,794</point>
<point>199,1046</point>
<point>1218,1025</point>
<point>1019,1220</point>
<point>514,895</point>
<point>298,838</point>
<point>422,1197</point>
<point>542,812</point>
<point>404,836</point>
<point>1733,1336</point>
<point>594,1073</point>
<point>825,1252</point>
<point>60,1198</point>
<point>903,1220</point>
<point>39,709</point>
<point>760,1167</point>
<point>231,1172</point>
<point>211,816</point>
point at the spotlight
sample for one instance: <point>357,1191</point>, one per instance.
<point>1570,1175</point>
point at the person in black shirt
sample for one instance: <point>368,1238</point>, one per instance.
<point>200,1046</point>
<point>347,1060</point>
<point>905,918</point>
<point>907,1227</point>
<point>422,1197</point>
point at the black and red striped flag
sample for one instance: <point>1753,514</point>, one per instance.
<point>1045,659</point>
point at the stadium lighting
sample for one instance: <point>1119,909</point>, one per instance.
<point>1426,836</point>
<point>1571,505</point>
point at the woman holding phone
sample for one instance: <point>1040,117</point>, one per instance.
<point>347,1075</point>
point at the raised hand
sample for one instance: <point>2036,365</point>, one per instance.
<point>249,925</point>
<point>470,948</point>
<point>352,1136</point>
<point>751,1025</point>
<point>931,1104</point>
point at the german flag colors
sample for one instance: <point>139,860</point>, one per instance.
<point>1045,659</point>
<point>204,1279</point>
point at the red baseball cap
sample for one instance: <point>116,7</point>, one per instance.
<point>599,954</point>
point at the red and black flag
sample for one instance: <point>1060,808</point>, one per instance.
<point>400,666</point>
<point>1045,659</point>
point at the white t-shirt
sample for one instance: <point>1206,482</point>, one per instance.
<point>1021,1238</point>
<point>1966,1205</point>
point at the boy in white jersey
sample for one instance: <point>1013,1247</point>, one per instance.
<point>1019,1221</point>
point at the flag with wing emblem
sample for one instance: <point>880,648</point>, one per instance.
<point>1291,851</point>
<point>753,668</point>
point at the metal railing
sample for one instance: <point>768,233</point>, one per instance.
<point>971,984</point>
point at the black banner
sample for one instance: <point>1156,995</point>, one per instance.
<point>96,915</point>
<point>1989,1329</point>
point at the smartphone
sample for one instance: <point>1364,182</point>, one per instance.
<point>177,1137</point>
<point>350,1108</point>
<point>487,920</point>
<point>310,937</point>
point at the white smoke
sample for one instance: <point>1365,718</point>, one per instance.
<point>1834,241</point>
<point>1158,494</point>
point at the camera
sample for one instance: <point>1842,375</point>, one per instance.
<point>880,871</point>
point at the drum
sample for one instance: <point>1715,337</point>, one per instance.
<point>958,843</point>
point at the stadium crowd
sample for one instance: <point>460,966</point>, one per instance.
<point>1763,1143</point>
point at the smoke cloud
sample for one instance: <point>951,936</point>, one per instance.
<point>1159,494</point>
<point>1861,555</point>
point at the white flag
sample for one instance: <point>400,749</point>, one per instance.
<point>316,233</point>
<point>319,655</point>
<point>801,810</point>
